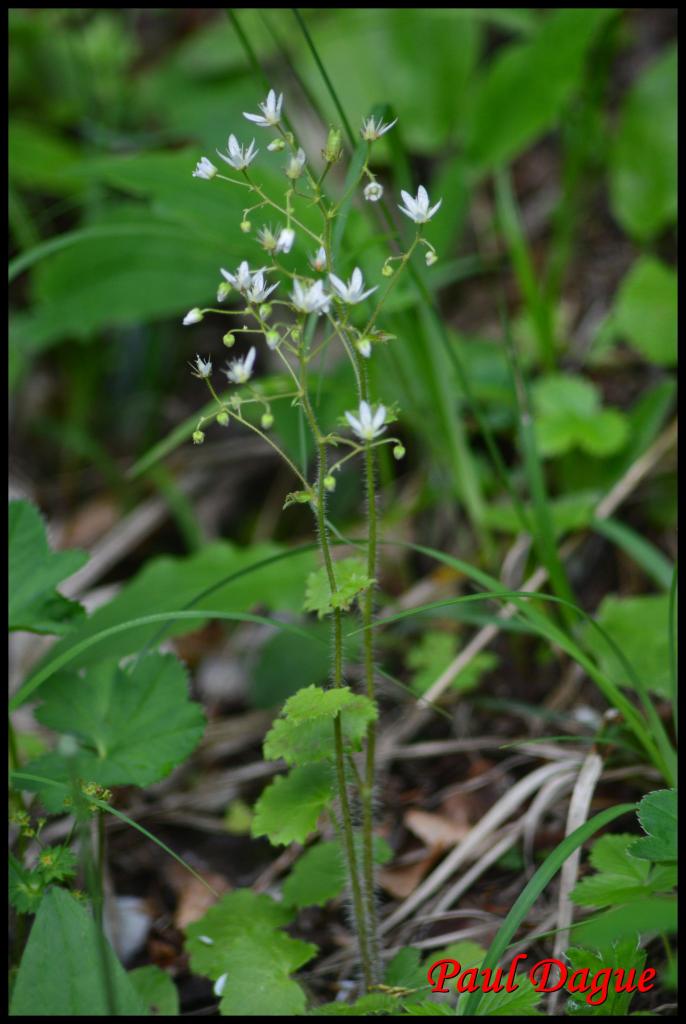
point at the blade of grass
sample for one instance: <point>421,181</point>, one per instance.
<point>545,873</point>
<point>643,553</point>
<point>671,629</point>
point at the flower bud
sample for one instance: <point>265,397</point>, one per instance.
<point>245,226</point>
<point>229,339</point>
<point>223,290</point>
<point>295,334</point>
<point>329,483</point>
<point>295,165</point>
<point>265,310</point>
<point>399,452</point>
<point>334,148</point>
<point>267,420</point>
<point>430,257</point>
<point>373,191</point>
<point>198,437</point>
<point>387,270</point>
<point>272,339</point>
<point>276,146</point>
<point>193,316</point>
<point>223,419</point>
<point>364,347</point>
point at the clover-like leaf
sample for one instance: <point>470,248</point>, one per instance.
<point>621,877</point>
<point>134,725</point>
<point>351,580</point>
<point>35,571</point>
<point>26,887</point>
<point>289,808</point>
<point>658,818</point>
<point>305,732</point>
<point>625,956</point>
<point>568,416</point>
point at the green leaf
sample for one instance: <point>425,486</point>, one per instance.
<point>647,917</point>
<point>61,974</point>
<point>34,572</point>
<point>645,311</point>
<point>305,732</point>
<point>568,512</point>
<point>319,874</point>
<point>351,580</point>
<point>239,938</point>
<point>625,955</point>
<point>568,415</point>
<point>157,990</point>
<point>620,876</point>
<point>289,808</point>
<point>407,971</point>
<point>25,887</point>
<point>526,86</point>
<point>434,653</point>
<point>57,863</point>
<point>523,1002</point>
<point>375,1004</point>
<point>219,577</point>
<point>658,818</point>
<point>638,625</point>
<point>135,726</point>
<point>643,192</point>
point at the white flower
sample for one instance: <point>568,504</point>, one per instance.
<point>294,167</point>
<point>219,984</point>
<point>239,156</point>
<point>243,277</point>
<point>193,316</point>
<point>284,242</point>
<point>418,209</point>
<point>257,290</point>
<point>367,424</point>
<point>204,169</point>
<point>352,291</point>
<point>271,111</point>
<point>203,368</point>
<point>318,261</point>
<point>310,300</point>
<point>364,347</point>
<point>430,257</point>
<point>265,236</point>
<point>372,129</point>
<point>373,191</point>
<point>240,370</point>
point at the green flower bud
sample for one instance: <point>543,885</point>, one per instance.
<point>245,226</point>
<point>223,419</point>
<point>398,452</point>
<point>430,258</point>
<point>276,146</point>
<point>198,437</point>
<point>329,483</point>
<point>387,270</point>
<point>223,290</point>
<point>265,310</point>
<point>229,340</point>
<point>334,148</point>
<point>272,338</point>
<point>267,420</point>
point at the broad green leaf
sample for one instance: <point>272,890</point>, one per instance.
<point>61,973</point>
<point>305,732</point>
<point>135,725</point>
<point>523,1002</point>
<point>35,571</point>
<point>568,415</point>
<point>645,311</point>
<point>648,916</point>
<point>525,88</point>
<point>620,876</point>
<point>351,580</point>
<point>171,583</point>
<point>643,160</point>
<point>407,971</point>
<point>319,874</point>
<point>289,808</point>
<point>568,512</point>
<point>375,1004</point>
<point>26,887</point>
<point>238,940</point>
<point>56,863</point>
<point>638,625</point>
<point>658,817</point>
<point>157,990</point>
<point>434,652</point>
<point>41,160</point>
<point>625,955</point>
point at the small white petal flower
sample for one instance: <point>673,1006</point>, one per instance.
<point>294,167</point>
<point>310,300</point>
<point>418,209</point>
<point>430,257</point>
<point>258,291</point>
<point>219,984</point>
<point>368,423</point>
<point>372,129</point>
<point>267,238</point>
<point>203,368</point>
<point>271,111</point>
<point>204,169</point>
<point>193,316</point>
<point>284,242</point>
<point>239,156</point>
<point>243,277</point>
<point>351,292</point>
<point>239,371</point>
<point>373,191</point>
<point>318,261</point>
<point>206,940</point>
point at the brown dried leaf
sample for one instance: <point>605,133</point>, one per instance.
<point>436,830</point>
